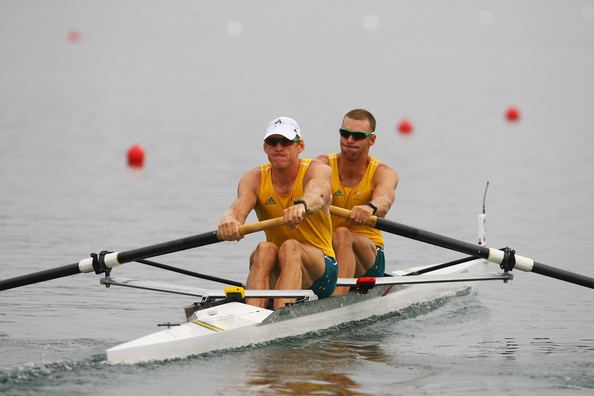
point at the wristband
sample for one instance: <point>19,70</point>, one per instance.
<point>301,201</point>
<point>372,206</point>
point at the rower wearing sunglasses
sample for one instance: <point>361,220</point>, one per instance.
<point>364,185</point>
<point>298,255</point>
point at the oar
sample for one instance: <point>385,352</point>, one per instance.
<point>505,257</point>
<point>440,266</point>
<point>190,273</point>
<point>105,261</point>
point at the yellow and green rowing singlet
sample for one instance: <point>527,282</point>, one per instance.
<point>347,197</point>
<point>316,229</point>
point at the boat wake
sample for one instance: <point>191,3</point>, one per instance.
<point>29,376</point>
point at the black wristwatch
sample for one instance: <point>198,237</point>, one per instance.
<point>301,201</point>
<point>372,206</point>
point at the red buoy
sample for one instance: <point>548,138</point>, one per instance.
<point>135,156</point>
<point>512,114</point>
<point>405,127</point>
<point>74,36</point>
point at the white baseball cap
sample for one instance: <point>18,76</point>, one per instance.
<point>284,126</point>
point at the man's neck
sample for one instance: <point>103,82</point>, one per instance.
<point>284,178</point>
<point>351,171</point>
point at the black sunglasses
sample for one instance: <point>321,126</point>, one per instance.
<point>273,141</point>
<point>345,133</point>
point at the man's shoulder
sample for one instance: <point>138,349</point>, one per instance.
<point>385,173</point>
<point>258,169</point>
<point>379,164</point>
<point>318,167</point>
<point>318,163</point>
<point>252,175</point>
<point>323,158</point>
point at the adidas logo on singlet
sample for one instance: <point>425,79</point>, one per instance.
<point>338,193</point>
<point>270,201</point>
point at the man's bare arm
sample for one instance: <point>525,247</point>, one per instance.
<point>317,193</point>
<point>317,189</point>
<point>385,182</point>
<point>247,196</point>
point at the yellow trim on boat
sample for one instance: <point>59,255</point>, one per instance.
<point>207,325</point>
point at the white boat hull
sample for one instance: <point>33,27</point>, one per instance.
<point>234,324</point>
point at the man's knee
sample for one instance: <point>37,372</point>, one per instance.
<point>289,248</point>
<point>265,248</point>
<point>342,236</point>
<point>264,255</point>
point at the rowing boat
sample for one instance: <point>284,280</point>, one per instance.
<point>221,319</point>
<point>236,324</point>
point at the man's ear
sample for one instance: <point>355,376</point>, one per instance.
<point>301,146</point>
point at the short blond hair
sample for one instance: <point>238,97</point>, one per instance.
<point>362,114</point>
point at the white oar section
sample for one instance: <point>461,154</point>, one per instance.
<point>110,260</point>
<point>522,263</point>
<point>85,265</point>
<point>506,258</point>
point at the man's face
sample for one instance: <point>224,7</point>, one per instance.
<point>281,151</point>
<point>353,143</point>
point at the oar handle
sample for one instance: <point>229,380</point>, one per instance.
<point>345,213</point>
<point>260,226</point>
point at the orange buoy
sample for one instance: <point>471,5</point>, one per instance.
<point>405,127</point>
<point>136,156</point>
<point>512,114</point>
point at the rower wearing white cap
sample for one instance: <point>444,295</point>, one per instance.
<point>298,255</point>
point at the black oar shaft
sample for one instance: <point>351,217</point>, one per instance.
<point>176,245</point>
<point>54,273</point>
<point>432,238</point>
<point>206,238</point>
<point>562,274</point>
<point>476,250</point>
<point>190,273</point>
<point>440,266</point>
<point>191,242</point>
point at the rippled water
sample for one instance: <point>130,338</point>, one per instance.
<point>195,82</point>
